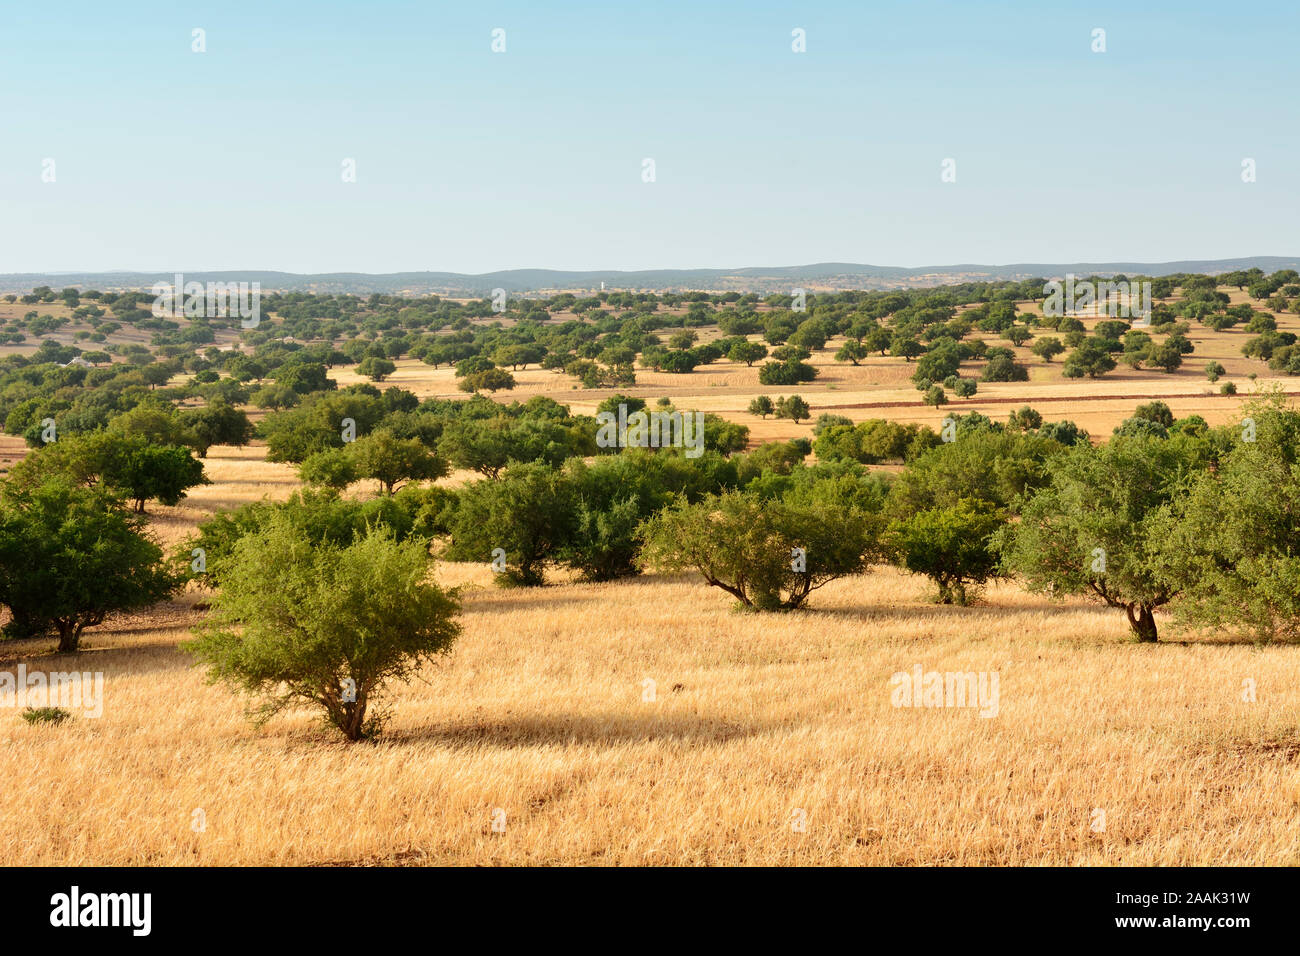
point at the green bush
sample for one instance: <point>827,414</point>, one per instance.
<point>70,556</point>
<point>298,622</point>
<point>45,715</point>
<point>745,546</point>
<point>949,544</point>
<point>528,513</point>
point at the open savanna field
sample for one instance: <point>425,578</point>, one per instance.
<point>647,721</point>
<point>756,722</point>
<point>880,387</point>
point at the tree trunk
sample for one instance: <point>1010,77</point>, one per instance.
<point>1143,622</point>
<point>355,721</point>
<point>737,591</point>
<point>69,637</point>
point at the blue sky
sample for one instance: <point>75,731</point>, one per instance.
<point>469,160</point>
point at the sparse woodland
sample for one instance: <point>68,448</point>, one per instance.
<point>391,520</point>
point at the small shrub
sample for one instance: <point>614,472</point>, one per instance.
<point>45,715</point>
<point>304,623</point>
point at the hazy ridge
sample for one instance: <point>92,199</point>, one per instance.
<point>766,279</point>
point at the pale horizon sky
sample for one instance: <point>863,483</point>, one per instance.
<point>473,161</point>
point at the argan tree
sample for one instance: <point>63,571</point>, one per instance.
<point>304,623</point>
<point>769,555</point>
<point>528,513</point>
<point>1232,546</point>
<point>390,460</point>
<point>951,545</point>
<point>217,423</point>
<point>1097,528</point>
<point>70,556</point>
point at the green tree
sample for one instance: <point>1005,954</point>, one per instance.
<point>879,340</point>
<point>793,408</point>
<point>905,346</point>
<point>305,377</point>
<point>70,556</point>
<point>1002,368</point>
<point>935,395</point>
<point>298,622</point>
<point>1091,359</point>
<point>329,468</point>
<point>1232,546</point>
<point>1026,419</point>
<point>528,513</point>
<point>488,446</point>
<point>1019,335</point>
<point>747,547</point>
<point>521,356</point>
<point>790,372</point>
<point>488,379</point>
<point>276,397</point>
<point>390,460</point>
<point>761,406</point>
<point>747,352</point>
<point>951,545</point>
<point>629,402</point>
<point>1166,355</point>
<point>217,423</point>
<point>852,351</point>
<point>614,494</point>
<point>318,423</point>
<point>127,463</point>
<point>144,472</point>
<point>1156,411</point>
<point>1097,528</point>
<point>964,387</point>
<point>943,359</point>
<point>156,423</point>
<point>985,462</point>
<point>723,436</point>
<point>376,369</point>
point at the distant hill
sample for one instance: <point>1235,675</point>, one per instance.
<point>820,276</point>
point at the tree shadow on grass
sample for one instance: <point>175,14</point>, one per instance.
<point>1216,640</point>
<point>609,729</point>
<point>878,612</point>
<point>509,599</point>
<point>39,654</point>
<point>1032,615</point>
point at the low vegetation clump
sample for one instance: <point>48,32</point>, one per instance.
<point>52,716</point>
<point>769,555</point>
<point>302,622</point>
<point>70,556</point>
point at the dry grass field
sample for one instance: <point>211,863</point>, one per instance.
<point>756,723</point>
<point>539,712</point>
<point>878,388</point>
<point>881,388</point>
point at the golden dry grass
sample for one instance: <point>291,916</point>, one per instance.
<point>880,387</point>
<point>540,712</point>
